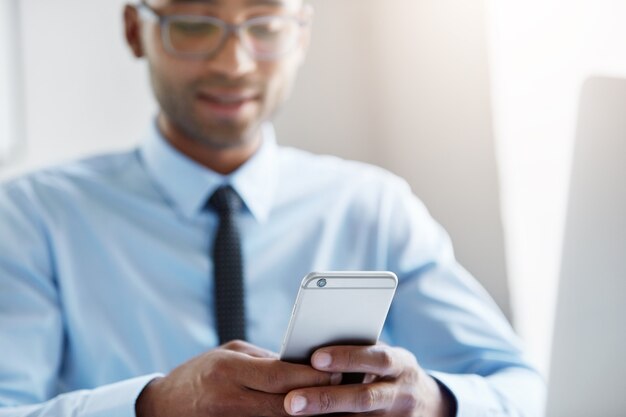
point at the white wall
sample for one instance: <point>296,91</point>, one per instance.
<point>401,83</point>
<point>11,126</point>
<point>83,92</point>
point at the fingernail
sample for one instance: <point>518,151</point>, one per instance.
<point>298,403</point>
<point>322,360</point>
<point>335,379</point>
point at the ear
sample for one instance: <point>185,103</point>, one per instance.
<point>132,30</point>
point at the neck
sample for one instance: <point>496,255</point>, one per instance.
<point>223,160</point>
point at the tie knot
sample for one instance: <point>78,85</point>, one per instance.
<point>225,200</point>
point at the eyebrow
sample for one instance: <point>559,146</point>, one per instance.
<point>267,3</point>
<point>275,3</point>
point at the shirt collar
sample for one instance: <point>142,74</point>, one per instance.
<point>188,185</point>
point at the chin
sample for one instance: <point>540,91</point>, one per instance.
<point>223,138</point>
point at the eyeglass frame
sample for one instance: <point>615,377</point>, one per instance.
<point>228,30</point>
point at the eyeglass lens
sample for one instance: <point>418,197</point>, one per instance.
<point>263,37</point>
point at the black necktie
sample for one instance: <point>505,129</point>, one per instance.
<point>228,267</point>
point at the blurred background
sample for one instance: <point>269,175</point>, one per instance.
<point>474,102</point>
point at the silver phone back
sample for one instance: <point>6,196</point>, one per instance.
<point>348,309</point>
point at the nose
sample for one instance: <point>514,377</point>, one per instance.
<point>232,60</point>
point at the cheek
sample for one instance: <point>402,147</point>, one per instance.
<point>280,79</point>
<point>163,83</point>
<point>171,77</point>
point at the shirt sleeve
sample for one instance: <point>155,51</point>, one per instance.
<point>31,324</point>
<point>112,400</point>
<point>447,319</point>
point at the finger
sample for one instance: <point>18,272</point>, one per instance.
<point>248,403</point>
<point>379,360</point>
<point>340,399</point>
<point>249,349</point>
<point>278,377</point>
<point>263,404</point>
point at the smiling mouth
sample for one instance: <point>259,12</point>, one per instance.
<point>227,98</point>
<point>227,104</point>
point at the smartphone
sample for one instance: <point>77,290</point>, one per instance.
<point>337,308</point>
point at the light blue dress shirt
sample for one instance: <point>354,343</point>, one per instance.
<point>106,277</point>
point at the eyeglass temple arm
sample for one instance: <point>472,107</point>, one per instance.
<point>147,10</point>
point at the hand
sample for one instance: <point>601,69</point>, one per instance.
<point>236,379</point>
<point>394,385</point>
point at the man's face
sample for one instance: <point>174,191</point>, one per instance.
<point>220,101</point>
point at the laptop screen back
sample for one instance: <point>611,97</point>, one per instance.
<point>588,371</point>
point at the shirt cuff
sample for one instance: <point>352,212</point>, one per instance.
<point>118,399</point>
<point>474,397</point>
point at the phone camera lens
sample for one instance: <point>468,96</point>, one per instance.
<point>321,283</point>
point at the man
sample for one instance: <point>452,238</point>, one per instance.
<point>112,269</point>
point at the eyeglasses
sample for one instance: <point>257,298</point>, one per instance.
<point>200,37</point>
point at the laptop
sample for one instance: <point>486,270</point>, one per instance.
<point>588,371</point>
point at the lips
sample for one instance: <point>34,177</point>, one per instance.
<point>227,103</point>
<point>227,98</point>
